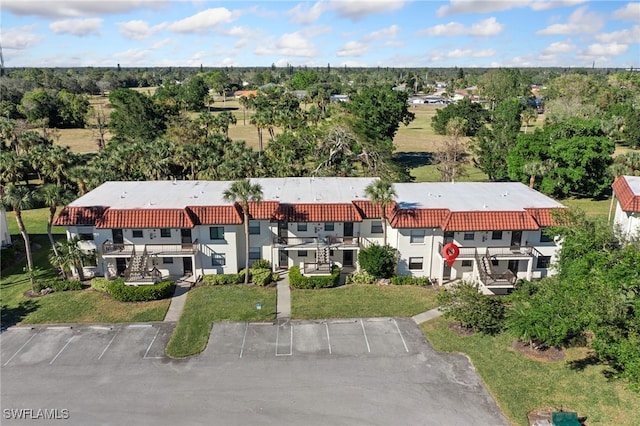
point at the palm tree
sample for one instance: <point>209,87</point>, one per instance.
<point>381,194</point>
<point>528,115</point>
<point>18,198</point>
<point>242,192</point>
<point>53,196</point>
<point>68,255</point>
<point>537,169</point>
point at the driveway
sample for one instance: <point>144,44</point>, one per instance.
<point>378,371</point>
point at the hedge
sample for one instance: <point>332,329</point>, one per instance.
<point>407,280</point>
<point>362,277</point>
<point>297,280</point>
<point>100,284</point>
<point>57,284</point>
<point>261,276</point>
<point>129,293</point>
<point>222,279</point>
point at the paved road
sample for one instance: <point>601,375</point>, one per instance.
<point>337,372</point>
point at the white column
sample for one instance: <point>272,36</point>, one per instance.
<point>530,268</point>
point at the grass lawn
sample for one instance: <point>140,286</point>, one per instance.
<point>592,208</point>
<point>206,305</point>
<point>69,306</point>
<point>362,300</point>
<point>520,385</point>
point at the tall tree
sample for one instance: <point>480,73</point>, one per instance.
<point>381,194</point>
<point>135,116</point>
<point>450,157</point>
<point>53,196</point>
<point>243,192</point>
<point>17,199</point>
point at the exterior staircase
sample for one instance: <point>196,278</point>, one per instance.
<point>137,269</point>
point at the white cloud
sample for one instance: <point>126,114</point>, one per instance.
<point>292,44</point>
<point>580,21</point>
<point>305,15</point>
<point>552,4</point>
<point>315,30</point>
<point>442,54</point>
<point>631,12</point>
<point>352,48</point>
<point>204,21</point>
<point>559,47</point>
<point>77,27</point>
<point>611,49</point>
<point>19,38</point>
<point>161,43</point>
<point>75,8</point>
<point>485,28</point>
<point>383,34</point>
<point>629,35</point>
<point>478,6</point>
<point>132,56</point>
<point>358,9</point>
<point>139,30</point>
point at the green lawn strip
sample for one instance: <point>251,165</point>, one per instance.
<point>429,173</point>
<point>592,208</point>
<point>362,300</point>
<point>520,385</point>
<point>206,305</point>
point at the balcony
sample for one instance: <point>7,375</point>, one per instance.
<point>499,252</point>
<point>313,243</point>
<point>110,249</point>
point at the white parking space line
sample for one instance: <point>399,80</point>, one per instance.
<point>109,344</point>
<point>401,336</point>
<point>149,347</point>
<point>365,336</point>
<point>63,348</point>
<point>21,347</point>
<point>139,326</point>
<point>326,326</point>
<point>244,339</point>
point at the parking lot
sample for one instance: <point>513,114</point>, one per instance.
<point>83,344</point>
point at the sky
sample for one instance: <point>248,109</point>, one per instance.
<point>355,33</point>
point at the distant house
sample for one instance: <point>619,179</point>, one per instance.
<point>338,98</point>
<point>626,190</point>
<point>244,93</point>
<point>300,94</point>
<point>5,237</point>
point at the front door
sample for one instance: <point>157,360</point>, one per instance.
<point>347,258</point>
<point>187,266</point>
<point>516,238</point>
<point>513,266</point>
<point>283,260</point>
<point>348,234</point>
<point>116,234</point>
<point>185,233</point>
<point>121,265</point>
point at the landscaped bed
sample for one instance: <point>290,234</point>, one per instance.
<point>521,385</point>
<point>362,301</point>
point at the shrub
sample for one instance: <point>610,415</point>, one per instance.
<point>408,280</point>
<point>99,284</point>
<point>128,293</point>
<point>57,284</point>
<point>378,261</point>
<point>361,277</point>
<point>297,280</point>
<point>261,264</point>
<point>223,279</point>
<point>261,277</point>
<point>464,303</point>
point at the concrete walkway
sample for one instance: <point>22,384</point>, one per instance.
<point>284,298</point>
<point>177,301</point>
<point>426,316</point>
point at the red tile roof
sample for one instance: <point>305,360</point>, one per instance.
<point>216,215</point>
<point>263,210</point>
<point>419,218</point>
<point>145,218</point>
<point>79,215</point>
<point>369,210</point>
<point>546,217</point>
<point>488,221</point>
<point>629,202</point>
<point>332,212</point>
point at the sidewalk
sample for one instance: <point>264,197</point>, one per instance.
<point>284,298</point>
<point>177,301</point>
<point>426,316</point>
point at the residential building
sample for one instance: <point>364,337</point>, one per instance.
<point>626,190</point>
<point>145,230</point>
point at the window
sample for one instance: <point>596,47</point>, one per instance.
<point>467,263</point>
<point>216,232</point>
<point>86,236</point>
<point>469,236</point>
<point>166,260</point>
<point>543,262</point>
<point>254,228</point>
<point>302,227</point>
<point>302,253</point>
<point>329,226</point>
<point>255,253</point>
<point>376,227</point>
<point>496,235</point>
<point>218,259</point>
<point>165,232</point>
<point>545,238</point>
<point>495,262</point>
<point>137,233</point>
<point>417,236</point>
<point>415,263</point>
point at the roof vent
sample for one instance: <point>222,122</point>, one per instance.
<point>174,181</point>
<point>484,206</point>
<point>123,194</point>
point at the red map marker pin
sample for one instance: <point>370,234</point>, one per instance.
<point>450,251</point>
